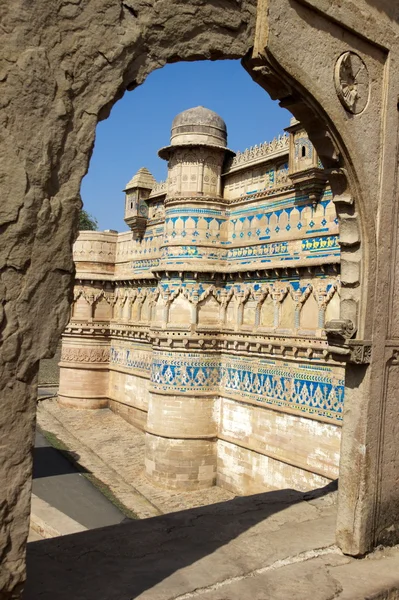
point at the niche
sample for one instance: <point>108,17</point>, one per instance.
<point>146,310</point>
<point>287,313</point>
<point>208,312</point>
<point>180,311</point>
<point>249,312</point>
<point>102,310</point>
<point>134,315</point>
<point>333,308</point>
<point>309,315</point>
<point>267,313</point>
<point>231,313</point>
<point>159,311</point>
<point>81,309</point>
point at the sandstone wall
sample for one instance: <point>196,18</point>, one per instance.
<point>260,448</point>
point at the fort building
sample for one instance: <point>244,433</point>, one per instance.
<point>204,325</point>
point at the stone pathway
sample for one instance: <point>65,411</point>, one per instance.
<point>113,450</point>
<point>64,496</point>
<point>271,546</point>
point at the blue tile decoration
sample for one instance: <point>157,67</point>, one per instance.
<point>135,358</point>
<point>314,390</point>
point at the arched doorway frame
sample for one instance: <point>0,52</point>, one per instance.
<point>86,60</point>
<point>343,180</point>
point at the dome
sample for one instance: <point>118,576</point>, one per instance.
<point>201,120</point>
<point>197,126</point>
<point>142,179</point>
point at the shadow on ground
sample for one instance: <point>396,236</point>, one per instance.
<point>124,561</point>
<point>48,462</point>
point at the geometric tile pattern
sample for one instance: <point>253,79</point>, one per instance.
<point>316,390</point>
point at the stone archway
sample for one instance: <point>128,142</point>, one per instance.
<point>62,71</point>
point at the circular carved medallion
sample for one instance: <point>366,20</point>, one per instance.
<point>352,82</point>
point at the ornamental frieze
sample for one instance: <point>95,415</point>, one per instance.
<point>85,355</point>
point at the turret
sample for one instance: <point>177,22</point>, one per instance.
<point>305,169</point>
<point>196,153</point>
<point>136,208</point>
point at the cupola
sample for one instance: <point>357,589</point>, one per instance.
<point>136,208</point>
<point>305,169</point>
<point>196,153</point>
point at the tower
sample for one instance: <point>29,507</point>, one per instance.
<point>184,393</point>
<point>195,156</point>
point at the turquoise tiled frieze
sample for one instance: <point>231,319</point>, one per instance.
<point>132,357</point>
<point>284,229</point>
<point>314,390</point>
<point>144,264</point>
<point>320,247</point>
<point>185,372</point>
<point>257,222</point>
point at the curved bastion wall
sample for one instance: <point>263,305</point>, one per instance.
<point>204,325</point>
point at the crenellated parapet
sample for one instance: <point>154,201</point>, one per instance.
<point>258,153</point>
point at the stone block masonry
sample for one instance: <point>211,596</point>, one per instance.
<point>205,327</point>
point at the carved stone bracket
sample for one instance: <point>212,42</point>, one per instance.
<point>311,182</point>
<point>360,352</point>
<point>340,330</point>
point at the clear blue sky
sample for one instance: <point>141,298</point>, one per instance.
<point>140,123</point>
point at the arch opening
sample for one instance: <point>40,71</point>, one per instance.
<point>280,306</point>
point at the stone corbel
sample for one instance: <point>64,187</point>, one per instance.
<point>311,182</point>
<point>339,331</point>
<point>360,352</point>
<point>338,179</point>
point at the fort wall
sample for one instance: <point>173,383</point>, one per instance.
<point>205,325</point>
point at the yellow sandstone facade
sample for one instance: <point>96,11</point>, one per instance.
<point>206,324</point>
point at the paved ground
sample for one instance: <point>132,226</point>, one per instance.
<point>49,371</point>
<point>272,546</point>
<point>113,450</point>
<point>57,482</point>
<point>34,536</point>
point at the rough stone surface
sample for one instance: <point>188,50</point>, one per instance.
<point>63,66</point>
